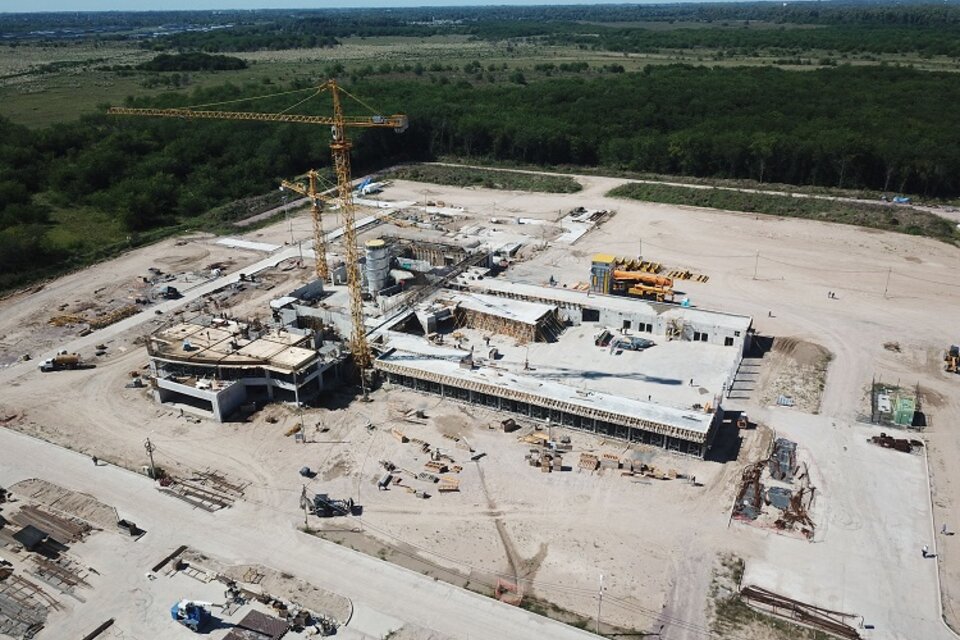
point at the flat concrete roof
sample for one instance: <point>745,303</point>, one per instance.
<point>659,375</point>
<point>690,421</point>
<point>574,370</point>
<point>567,297</point>
<point>212,345</point>
<point>514,310</point>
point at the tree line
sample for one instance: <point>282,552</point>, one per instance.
<point>884,128</point>
<point>192,61</point>
<point>883,27</point>
<point>925,40</point>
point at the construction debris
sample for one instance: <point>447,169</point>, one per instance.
<point>24,607</point>
<point>761,487</point>
<point>900,444</point>
<point>834,622</point>
<point>208,490</point>
<point>783,460</point>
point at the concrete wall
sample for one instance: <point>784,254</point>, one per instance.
<point>310,291</point>
<point>341,321</point>
<point>659,324</point>
<point>222,403</point>
<point>229,400</point>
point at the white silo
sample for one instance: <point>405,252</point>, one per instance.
<point>377,268</point>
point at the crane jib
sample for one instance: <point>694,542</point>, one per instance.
<point>396,121</point>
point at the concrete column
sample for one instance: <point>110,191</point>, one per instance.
<point>266,374</point>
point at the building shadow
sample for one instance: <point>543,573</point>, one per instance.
<point>728,441</point>
<point>760,345</point>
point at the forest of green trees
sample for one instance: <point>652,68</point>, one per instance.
<point>882,127</point>
<point>192,61</point>
<point>838,127</point>
<point>883,27</point>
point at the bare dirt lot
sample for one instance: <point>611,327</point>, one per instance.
<point>655,542</point>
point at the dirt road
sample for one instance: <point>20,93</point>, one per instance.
<point>385,596</point>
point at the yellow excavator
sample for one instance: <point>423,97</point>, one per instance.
<point>952,359</point>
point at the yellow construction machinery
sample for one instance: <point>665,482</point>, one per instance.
<point>650,279</point>
<point>316,199</point>
<point>340,147</point>
<point>643,285</point>
<point>660,294</point>
<point>952,359</point>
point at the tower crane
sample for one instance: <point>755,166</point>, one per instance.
<point>340,146</point>
<point>319,244</point>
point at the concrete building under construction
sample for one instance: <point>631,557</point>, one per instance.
<point>216,366</point>
<point>569,358</point>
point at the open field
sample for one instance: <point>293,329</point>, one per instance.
<point>556,532</point>
<point>875,216</point>
<point>42,85</point>
<point>488,179</point>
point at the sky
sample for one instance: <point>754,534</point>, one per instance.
<point>168,5</point>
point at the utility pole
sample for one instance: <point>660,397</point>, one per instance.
<point>599,603</point>
<point>150,449</point>
<point>886,286</point>
<point>286,212</point>
<point>756,266</point>
<point>303,501</point>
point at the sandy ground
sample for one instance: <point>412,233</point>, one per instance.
<point>383,597</point>
<point>655,543</point>
<point>24,317</point>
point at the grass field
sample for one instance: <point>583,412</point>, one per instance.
<point>885,217</point>
<point>43,85</point>
<point>486,178</point>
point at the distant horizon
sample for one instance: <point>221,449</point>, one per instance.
<point>97,6</point>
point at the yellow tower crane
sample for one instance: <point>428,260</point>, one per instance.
<point>340,149</point>
<point>316,199</point>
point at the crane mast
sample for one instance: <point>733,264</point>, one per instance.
<point>319,243</point>
<point>340,150</point>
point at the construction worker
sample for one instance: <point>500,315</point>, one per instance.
<point>96,462</point>
<point>926,551</point>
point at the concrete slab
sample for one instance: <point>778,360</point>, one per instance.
<point>875,517</point>
<point>237,243</point>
